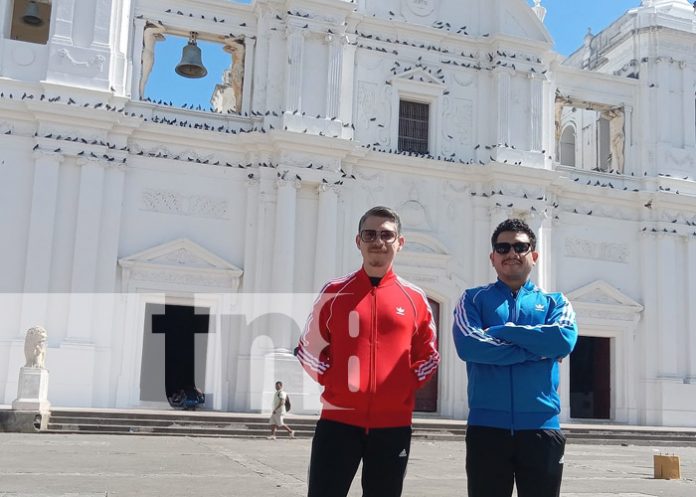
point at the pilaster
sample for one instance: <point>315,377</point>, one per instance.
<point>40,242</point>
<point>334,86</point>
<point>293,94</point>
<point>251,230</point>
<point>63,14</point>
<point>284,260</point>
<point>502,79</point>
<point>327,235</point>
<point>284,243</point>
<point>84,272</point>
<point>264,230</point>
<point>689,124</point>
<point>114,180</point>
<point>542,228</point>
<point>667,275</point>
<point>497,215</point>
<point>481,236</point>
<point>277,75</point>
<point>102,24</point>
<point>691,309</point>
<point>249,59</point>
<point>649,337</point>
<point>537,112</point>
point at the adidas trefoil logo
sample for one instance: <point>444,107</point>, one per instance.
<point>403,453</point>
<point>539,307</point>
<point>400,311</point>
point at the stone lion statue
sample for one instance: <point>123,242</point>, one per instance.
<point>35,347</point>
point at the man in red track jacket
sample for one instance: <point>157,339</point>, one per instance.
<point>371,342</point>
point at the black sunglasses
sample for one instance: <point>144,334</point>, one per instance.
<point>387,236</point>
<point>504,247</point>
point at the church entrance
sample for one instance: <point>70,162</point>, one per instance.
<point>426,397</point>
<point>175,342</point>
<point>590,378</point>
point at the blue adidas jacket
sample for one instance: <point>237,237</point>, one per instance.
<point>511,346</point>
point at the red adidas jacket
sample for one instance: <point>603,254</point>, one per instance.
<point>371,347</point>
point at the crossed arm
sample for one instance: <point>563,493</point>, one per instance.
<point>508,344</point>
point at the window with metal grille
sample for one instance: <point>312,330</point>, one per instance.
<point>413,127</point>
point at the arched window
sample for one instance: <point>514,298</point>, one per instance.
<point>568,146</point>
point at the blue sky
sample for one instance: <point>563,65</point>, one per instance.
<point>566,20</point>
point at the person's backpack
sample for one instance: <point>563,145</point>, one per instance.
<point>287,403</point>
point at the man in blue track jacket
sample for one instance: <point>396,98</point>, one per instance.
<point>512,336</point>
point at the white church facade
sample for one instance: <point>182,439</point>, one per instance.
<point>457,113</point>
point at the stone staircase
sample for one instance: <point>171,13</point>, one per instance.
<point>247,425</point>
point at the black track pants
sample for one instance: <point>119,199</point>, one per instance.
<point>337,450</point>
<point>497,458</point>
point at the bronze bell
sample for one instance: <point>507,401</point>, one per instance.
<point>191,64</point>
<point>31,14</point>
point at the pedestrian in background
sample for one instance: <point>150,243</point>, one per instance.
<point>277,415</point>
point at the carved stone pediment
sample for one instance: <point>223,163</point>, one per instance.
<point>601,292</point>
<point>424,252</point>
<point>181,262</point>
<point>418,75</point>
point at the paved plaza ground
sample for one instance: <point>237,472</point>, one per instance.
<point>45,465</point>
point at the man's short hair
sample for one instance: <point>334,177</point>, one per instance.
<point>381,211</point>
<point>279,383</point>
<point>516,226</point>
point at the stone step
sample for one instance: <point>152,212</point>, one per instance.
<point>167,430</point>
<point>251,425</point>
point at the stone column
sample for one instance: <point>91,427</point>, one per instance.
<point>669,344</point>
<point>42,221</point>
<point>250,49</point>
<point>89,219</point>
<point>691,309</point>
<point>502,80</point>
<point>333,88</point>
<point>325,257</point>
<point>537,112</point>
<point>284,260</point>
